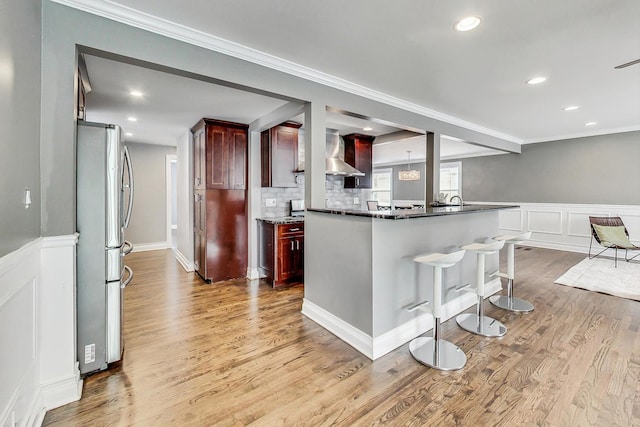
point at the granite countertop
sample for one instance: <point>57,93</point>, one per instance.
<point>283,220</point>
<point>415,213</point>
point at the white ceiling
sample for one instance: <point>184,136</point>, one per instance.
<point>170,104</point>
<point>409,50</point>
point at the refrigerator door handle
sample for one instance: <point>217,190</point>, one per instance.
<point>129,279</point>
<point>127,159</point>
<point>128,247</point>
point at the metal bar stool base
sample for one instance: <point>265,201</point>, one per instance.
<point>481,325</point>
<point>511,304</point>
<point>449,357</point>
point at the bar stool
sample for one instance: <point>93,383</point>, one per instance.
<point>509,302</point>
<point>435,352</point>
<point>479,323</point>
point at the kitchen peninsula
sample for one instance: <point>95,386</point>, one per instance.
<point>362,276</point>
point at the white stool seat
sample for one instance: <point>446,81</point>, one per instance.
<point>509,302</point>
<point>478,323</point>
<point>486,248</point>
<point>436,259</point>
<point>435,352</point>
<point>514,238</point>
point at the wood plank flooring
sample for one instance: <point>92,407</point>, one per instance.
<point>240,353</point>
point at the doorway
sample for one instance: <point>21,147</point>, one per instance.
<point>172,200</point>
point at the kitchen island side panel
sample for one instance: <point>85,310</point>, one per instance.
<point>399,282</point>
<point>338,267</point>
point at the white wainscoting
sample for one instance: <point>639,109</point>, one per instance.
<point>59,373</point>
<point>37,330</point>
<point>564,226</point>
<point>20,397</point>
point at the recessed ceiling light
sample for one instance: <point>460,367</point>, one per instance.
<point>468,23</point>
<point>129,134</point>
<point>136,93</point>
<point>132,119</point>
<point>536,80</point>
<point>591,123</point>
<point>571,108</point>
<point>367,128</point>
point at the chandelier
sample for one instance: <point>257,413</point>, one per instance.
<point>409,174</point>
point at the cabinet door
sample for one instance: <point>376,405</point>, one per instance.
<point>284,156</point>
<point>237,158</point>
<point>299,258</point>
<point>358,152</point>
<point>199,233</point>
<point>364,161</point>
<point>198,160</point>
<point>217,161</point>
<point>286,258</point>
<point>279,156</point>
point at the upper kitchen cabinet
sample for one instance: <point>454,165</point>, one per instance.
<point>358,152</point>
<point>220,155</point>
<point>279,155</point>
<point>198,159</point>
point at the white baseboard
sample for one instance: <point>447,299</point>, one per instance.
<point>63,391</point>
<point>36,412</point>
<point>377,347</point>
<point>143,247</point>
<point>184,262</point>
<point>253,273</point>
<point>343,330</point>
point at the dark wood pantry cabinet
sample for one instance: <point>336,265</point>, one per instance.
<point>358,152</point>
<point>281,258</point>
<point>220,199</point>
<point>279,155</point>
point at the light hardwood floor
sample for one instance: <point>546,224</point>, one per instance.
<point>240,353</point>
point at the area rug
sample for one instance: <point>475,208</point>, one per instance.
<point>600,275</point>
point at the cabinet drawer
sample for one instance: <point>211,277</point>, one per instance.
<point>290,229</point>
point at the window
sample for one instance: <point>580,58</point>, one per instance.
<point>451,179</point>
<point>381,188</point>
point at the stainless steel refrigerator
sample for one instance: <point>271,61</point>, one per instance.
<point>104,202</point>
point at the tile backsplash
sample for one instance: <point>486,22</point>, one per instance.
<point>336,196</point>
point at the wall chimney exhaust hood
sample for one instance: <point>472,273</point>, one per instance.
<point>335,148</point>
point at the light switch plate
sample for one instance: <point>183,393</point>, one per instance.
<point>270,202</point>
<point>356,200</point>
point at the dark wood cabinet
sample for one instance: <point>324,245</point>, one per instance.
<point>279,155</point>
<point>220,155</point>
<point>199,160</point>
<point>220,199</point>
<point>358,152</point>
<point>281,258</point>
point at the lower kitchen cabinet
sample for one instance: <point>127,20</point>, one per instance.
<point>220,234</point>
<point>281,258</point>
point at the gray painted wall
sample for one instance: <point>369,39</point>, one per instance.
<point>601,169</point>
<point>149,216</point>
<point>408,190</point>
<point>20,46</point>
<point>184,234</point>
<point>65,28</point>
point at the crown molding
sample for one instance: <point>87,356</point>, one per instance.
<point>135,18</point>
<point>583,134</point>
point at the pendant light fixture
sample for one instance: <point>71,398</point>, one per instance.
<point>409,174</point>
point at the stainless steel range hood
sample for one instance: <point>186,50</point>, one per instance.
<point>335,148</point>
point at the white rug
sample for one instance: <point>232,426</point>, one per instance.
<point>600,275</point>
